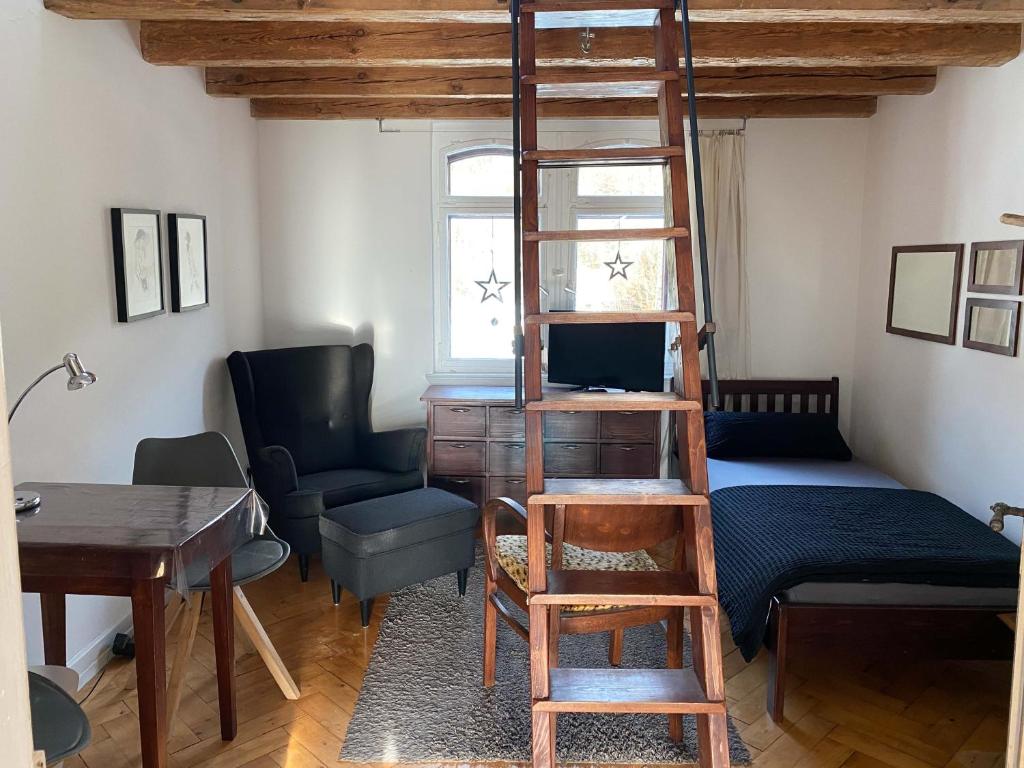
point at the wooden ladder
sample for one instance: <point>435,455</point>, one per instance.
<point>701,690</point>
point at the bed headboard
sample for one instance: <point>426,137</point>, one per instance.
<point>777,395</point>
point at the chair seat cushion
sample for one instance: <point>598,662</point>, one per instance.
<point>59,726</point>
<point>374,526</point>
<point>347,486</point>
<point>251,561</point>
<point>511,551</point>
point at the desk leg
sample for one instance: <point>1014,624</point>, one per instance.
<point>224,644</point>
<point>55,630</point>
<point>150,670</point>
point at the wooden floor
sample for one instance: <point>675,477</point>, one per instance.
<point>901,715</point>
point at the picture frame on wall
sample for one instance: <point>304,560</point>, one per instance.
<point>924,291</point>
<point>992,325</point>
<point>997,267</point>
<point>138,263</point>
<point>190,286</point>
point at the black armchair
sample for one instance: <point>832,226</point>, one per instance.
<point>305,415</point>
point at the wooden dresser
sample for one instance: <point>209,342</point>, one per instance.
<point>476,443</point>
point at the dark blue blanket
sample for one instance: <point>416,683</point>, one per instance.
<point>769,538</point>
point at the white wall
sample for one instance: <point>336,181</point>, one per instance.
<point>347,229</point>
<point>86,126</point>
<point>941,169</point>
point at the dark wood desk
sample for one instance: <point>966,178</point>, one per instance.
<point>126,541</point>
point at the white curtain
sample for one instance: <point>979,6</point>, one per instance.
<point>722,165</point>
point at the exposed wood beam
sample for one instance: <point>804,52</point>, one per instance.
<point>490,11</point>
<point>261,43</point>
<point>496,82</point>
<point>463,109</point>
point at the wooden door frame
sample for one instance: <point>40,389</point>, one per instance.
<point>1015,735</point>
<point>16,715</point>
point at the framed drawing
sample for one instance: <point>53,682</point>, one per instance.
<point>992,325</point>
<point>924,291</point>
<point>190,288</point>
<point>997,267</point>
<point>138,264</point>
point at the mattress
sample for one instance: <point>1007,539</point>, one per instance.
<point>723,473</point>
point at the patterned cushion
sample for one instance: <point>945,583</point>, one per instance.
<point>512,558</point>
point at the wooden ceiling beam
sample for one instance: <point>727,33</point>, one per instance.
<point>496,82</point>
<point>491,11</point>
<point>472,109</point>
<point>262,43</point>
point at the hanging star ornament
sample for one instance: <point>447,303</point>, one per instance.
<point>618,267</point>
<point>492,288</point>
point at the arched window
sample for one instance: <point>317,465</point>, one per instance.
<point>480,172</point>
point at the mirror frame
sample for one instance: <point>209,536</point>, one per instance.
<point>1009,350</point>
<point>1018,276</point>
<point>954,299</point>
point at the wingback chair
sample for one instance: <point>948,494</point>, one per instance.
<point>305,415</point>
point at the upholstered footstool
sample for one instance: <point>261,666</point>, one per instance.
<point>381,545</point>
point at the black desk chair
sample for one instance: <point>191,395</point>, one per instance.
<point>207,460</point>
<point>59,726</point>
<point>305,413</point>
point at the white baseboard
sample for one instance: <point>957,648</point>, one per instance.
<point>92,659</point>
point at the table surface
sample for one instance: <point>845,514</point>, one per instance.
<point>137,517</point>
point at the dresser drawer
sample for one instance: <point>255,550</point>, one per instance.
<point>627,460</point>
<point>571,425</point>
<point>570,458</point>
<point>460,420</point>
<point>629,426</point>
<point>505,422</point>
<point>512,487</point>
<point>506,459</point>
<point>452,457</point>
<point>471,488</point>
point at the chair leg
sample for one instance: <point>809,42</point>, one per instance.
<point>490,635</point>
<point>335,591</point>
<point>193,609</point>
<point>304,567</point>
<point>252,628</point>
<point>463,577</point>
<point>674,641</point>
<point>615,647</point>
<point>365,607</point>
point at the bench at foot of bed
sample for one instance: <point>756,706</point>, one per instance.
<point>929,622</point>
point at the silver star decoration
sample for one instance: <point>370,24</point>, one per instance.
<point>492,288</point>
<point>618,267</point>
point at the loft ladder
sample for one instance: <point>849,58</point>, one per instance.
<point>701,690</point>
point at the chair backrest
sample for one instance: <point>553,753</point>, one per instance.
<point>612,528</point>
<point>314,401</point>
<point>204,460</point>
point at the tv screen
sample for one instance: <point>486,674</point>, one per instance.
<point>627,356</point>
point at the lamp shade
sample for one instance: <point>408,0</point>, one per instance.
<point>78,377</point>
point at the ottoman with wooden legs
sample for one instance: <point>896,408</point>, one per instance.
<point>381,545</point>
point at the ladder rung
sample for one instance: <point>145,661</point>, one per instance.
<point>599,85</point>
<point>571,318</point>
<point>638,691</point>
<point>564,14</point>
<point>613,401</point>
<point>613,491</point>
<point>627,588</point>
<point>585,235</point>
<point>574,158</point>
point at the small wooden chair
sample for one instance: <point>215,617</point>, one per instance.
<point>580,538</point>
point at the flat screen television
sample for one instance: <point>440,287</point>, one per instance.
<point>627,356</point>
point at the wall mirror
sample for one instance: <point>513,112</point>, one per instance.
<point>992,325</point>
<point>996,267</point>
<point>924,288</point>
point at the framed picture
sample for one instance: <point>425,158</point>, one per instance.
<point>997,267</point>
<point>924,291</point>
<point>138,263</point>
<point>992,325</point>
<point>190,288</point>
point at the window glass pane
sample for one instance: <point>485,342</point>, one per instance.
<point>600,285</point>
<point>480,175</point>
<point>621,181</point>
<point>482,309</point>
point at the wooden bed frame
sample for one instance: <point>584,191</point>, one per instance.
<point>860,631</point>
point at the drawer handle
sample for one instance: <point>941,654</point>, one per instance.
<point>627,448</point>
<point>515,482</point>
<point>628,413</point>
<point>571,447</point>
<point>515,411</point>
<point>459,445</point>
<point>460,482</point>
<point>570,413</point>
<point>513,447</point>
<point>459,410</point>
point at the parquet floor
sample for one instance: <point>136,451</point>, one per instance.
<point>901,715</point>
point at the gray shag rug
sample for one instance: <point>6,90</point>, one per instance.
<point>422,700</point>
